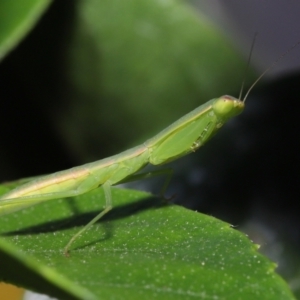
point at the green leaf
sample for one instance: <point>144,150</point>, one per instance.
<point>129,60</point>
<point>142,249</point>
<point>17,18</point>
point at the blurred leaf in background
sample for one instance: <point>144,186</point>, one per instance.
<point>17,18</point>
<point>136,67</point>
<point>96,77</point>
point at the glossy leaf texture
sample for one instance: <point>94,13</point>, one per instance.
<point>144,248</point>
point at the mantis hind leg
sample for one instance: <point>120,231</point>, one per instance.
<point>108,198</point>
<point>108,206</point>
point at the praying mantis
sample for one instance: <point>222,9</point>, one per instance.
<point>184,136</point>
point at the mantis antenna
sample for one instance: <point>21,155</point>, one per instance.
<point>268,69</point>
<point>248,64</point>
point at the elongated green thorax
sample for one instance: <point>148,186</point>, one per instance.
<point>193,130</point>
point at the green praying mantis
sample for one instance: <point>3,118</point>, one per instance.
<point>184,136</point>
